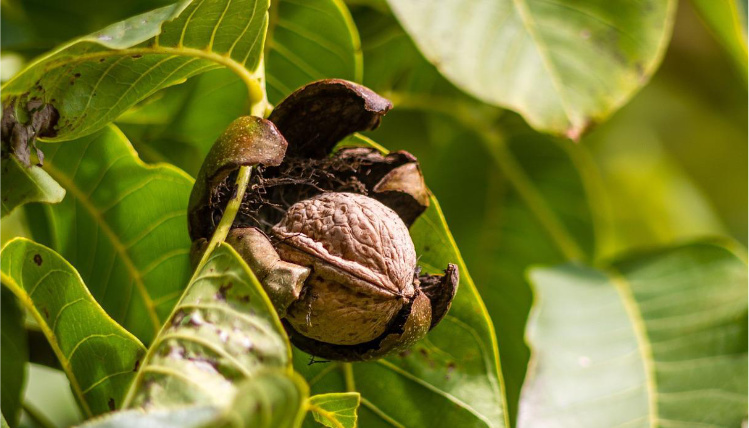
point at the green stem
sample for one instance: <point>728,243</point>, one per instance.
<point>348,376</point>
<point>227,219</point>
<point>535,201</point>
<point>467,115</point>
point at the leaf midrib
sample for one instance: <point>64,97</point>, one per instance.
<point>624,289</point>
<point>521,7</point>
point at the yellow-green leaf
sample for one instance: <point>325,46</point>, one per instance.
<point>122,225</point>
<point>93,79</point>
<point>99,357</point>
<point>564,65</point>
<point>656,339</point>
<point>335,410</point>
<point>222,331</point>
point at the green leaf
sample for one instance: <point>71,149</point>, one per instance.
<point>92,80</point>
<point>307,40</point>
<point>727,20</point>
<point>310,40</point>
<point>655,340</point>
<point>99,357</point>
<point>33,26</point>
<point>336,410</point>
<point>222,331</point>
<point>185,417</point>
<point>426,386</point>
<point>122,225</point>
<point>563,65</point>
<point>271,399</point>
<point>463,155</point>
<point>21,185</point>
<point>14,345</point>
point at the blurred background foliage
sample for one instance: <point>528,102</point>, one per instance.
<point>670,166</point>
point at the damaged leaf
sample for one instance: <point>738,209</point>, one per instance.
<point>83,80</point>
<point>99,357</point>
<point>222,331</point>
<point>25,184</point>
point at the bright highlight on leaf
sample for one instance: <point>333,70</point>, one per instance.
<point>336,410</point>
<point>99,357</point>
<point>656,340</point>
<point>221,332</point>
<point>564,65</point>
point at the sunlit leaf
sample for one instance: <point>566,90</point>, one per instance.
<point>457,143</point>
<point>336,410</point>
<point>656,339</point>
<point>426,385</point>
<point>563,65</point>
<point>99,357</point>
<point>122,225</point>
<point>15,356</point>
<point>22,185</point>
<point>271,399</point>
<point>182,417</point>
<point>222,331</point>
<point>92,80</point>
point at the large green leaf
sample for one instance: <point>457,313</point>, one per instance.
<point>460,150</point>
<point>122,225</point>
<point>336,410</point>
<point>13,343</point>
<point>271,399</point>
<point>98,356</point>
<point>307,40</point>
<point>728,21</point>
<point>92,80</point>
<point>22,185</point>
<point>564,65</point>
<point>655,340</point>
<point>222,331</point>
<point>451,377</point>
<point>181,417</point>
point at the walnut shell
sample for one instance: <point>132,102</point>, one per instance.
<point>362,260</point>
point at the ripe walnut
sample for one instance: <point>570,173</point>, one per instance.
<point>362,265</point>
<point>326,231</point>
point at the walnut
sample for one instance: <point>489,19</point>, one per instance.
<point>327,235</point>
<point>362,262</point>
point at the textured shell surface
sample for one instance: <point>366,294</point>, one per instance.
<point>357,235</point>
